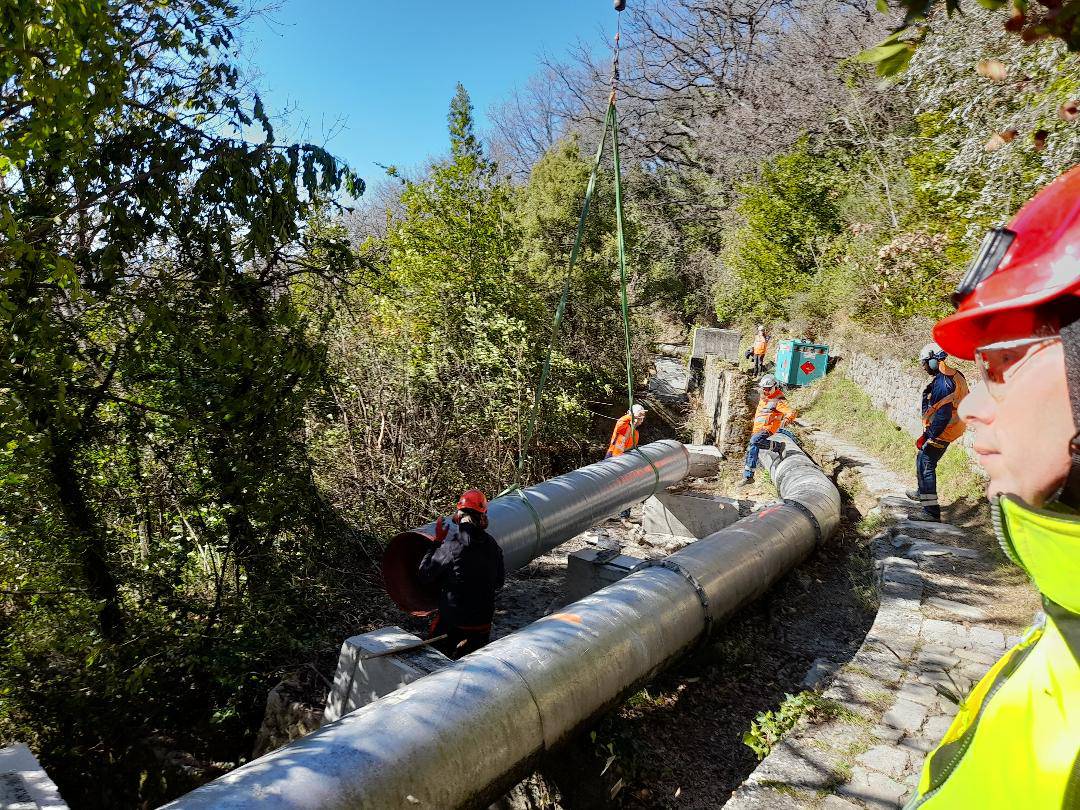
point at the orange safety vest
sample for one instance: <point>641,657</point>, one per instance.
<point>772,412</point>
<point>956,427</point>
<point>624,437</point>
<point>761,344</point>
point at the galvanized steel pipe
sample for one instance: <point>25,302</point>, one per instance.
<point>462,736</point>
<point>530,522</point>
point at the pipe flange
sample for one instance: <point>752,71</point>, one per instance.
<point>703,597</point>
<point>802,507</point>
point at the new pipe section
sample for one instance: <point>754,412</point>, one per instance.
<point>464,735</point>
<point>530,522</point>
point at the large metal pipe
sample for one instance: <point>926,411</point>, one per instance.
<point>530,522</point>
<point>461,737</point>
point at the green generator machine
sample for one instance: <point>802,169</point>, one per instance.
<point>800,363</point>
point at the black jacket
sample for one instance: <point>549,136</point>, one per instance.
<point>468,568</point>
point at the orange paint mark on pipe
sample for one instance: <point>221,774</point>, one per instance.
<point>572,618</point>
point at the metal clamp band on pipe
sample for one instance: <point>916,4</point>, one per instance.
<point>703,597</point>
<point>464,735</point>
<point>806,511</point>
<point>528,522</point>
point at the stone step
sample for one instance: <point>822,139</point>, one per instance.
<point>968,612</point>
<point>927,529</point>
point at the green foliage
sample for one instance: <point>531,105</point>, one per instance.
<point>788,216</point>
<point>162,548</point>
<point>1029,23</point>
<point>769,727</point>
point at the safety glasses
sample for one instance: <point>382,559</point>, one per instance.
<point>999,362</point>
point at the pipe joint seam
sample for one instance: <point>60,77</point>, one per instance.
<point>702,596</point>
<point>802,507</point>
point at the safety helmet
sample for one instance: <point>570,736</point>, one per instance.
<point>766,382</point>
<point>1031,262</point>
<point>474,500</point>
<point>931,351</point>
<point>638,411</point>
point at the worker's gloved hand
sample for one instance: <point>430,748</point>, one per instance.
<point>919,442</point>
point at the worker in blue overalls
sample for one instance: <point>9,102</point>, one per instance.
<point>941,426</point>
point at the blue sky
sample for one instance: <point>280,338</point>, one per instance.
<point>378,76</point>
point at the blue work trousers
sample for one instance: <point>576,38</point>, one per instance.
<point>926,471</point>
<point>758,442</point>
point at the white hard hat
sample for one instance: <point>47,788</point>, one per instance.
<point>768,381</point>
<point>932,351</point>
<point>638,411</point>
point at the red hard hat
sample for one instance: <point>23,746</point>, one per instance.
<point>1031,262</point>
<point>473,499</point>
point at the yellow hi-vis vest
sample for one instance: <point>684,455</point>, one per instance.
<point>1015,743</point>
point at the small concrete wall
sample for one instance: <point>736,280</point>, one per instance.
<point>670,380</point>
<point>591,569</point>
<point>721,385</point>
<point>688,515</point>
<point>24,785</point>
<point>367,671</point>
<point>721,342</point>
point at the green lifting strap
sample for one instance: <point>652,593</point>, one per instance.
<point>538,392</point>
<point>622,277</point>
<point>622,251</point>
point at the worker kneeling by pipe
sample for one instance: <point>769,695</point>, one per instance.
<point>467,567</point>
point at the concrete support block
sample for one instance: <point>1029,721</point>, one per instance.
<point>367,669</point>
<point>688,515</point>
<point>591,569</point>
<point>24,785</point>
<point>718,378</point>
<point>704,460</point>
<point>722,342</point>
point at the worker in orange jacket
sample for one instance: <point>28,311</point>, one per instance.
<point>761,346</point>
<point>625,437</point>
<point>773,413</point>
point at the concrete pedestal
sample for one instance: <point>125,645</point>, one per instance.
<point>24,785</point>
<point>367,669</point>
<point>721,342</point>
<point>688,515</point>
<point>591,569</point>
<point>704,460</point>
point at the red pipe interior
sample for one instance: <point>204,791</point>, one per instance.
<point>400,564</point>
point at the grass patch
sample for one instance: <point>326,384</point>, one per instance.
<point>786,789</point>
<point>770,726</point>
<point>880,700</point>
<point>871,524</point>
<point>842,408</point>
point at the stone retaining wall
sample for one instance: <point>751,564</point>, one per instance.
<point>895,388</point>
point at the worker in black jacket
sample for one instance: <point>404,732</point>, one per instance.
<point>468,568</point>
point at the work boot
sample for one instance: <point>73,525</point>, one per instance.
<point>746,482</point>
<point>913,495</point>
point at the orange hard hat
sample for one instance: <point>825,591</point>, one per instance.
<point>1030,263</point>
<point>474,500</point>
